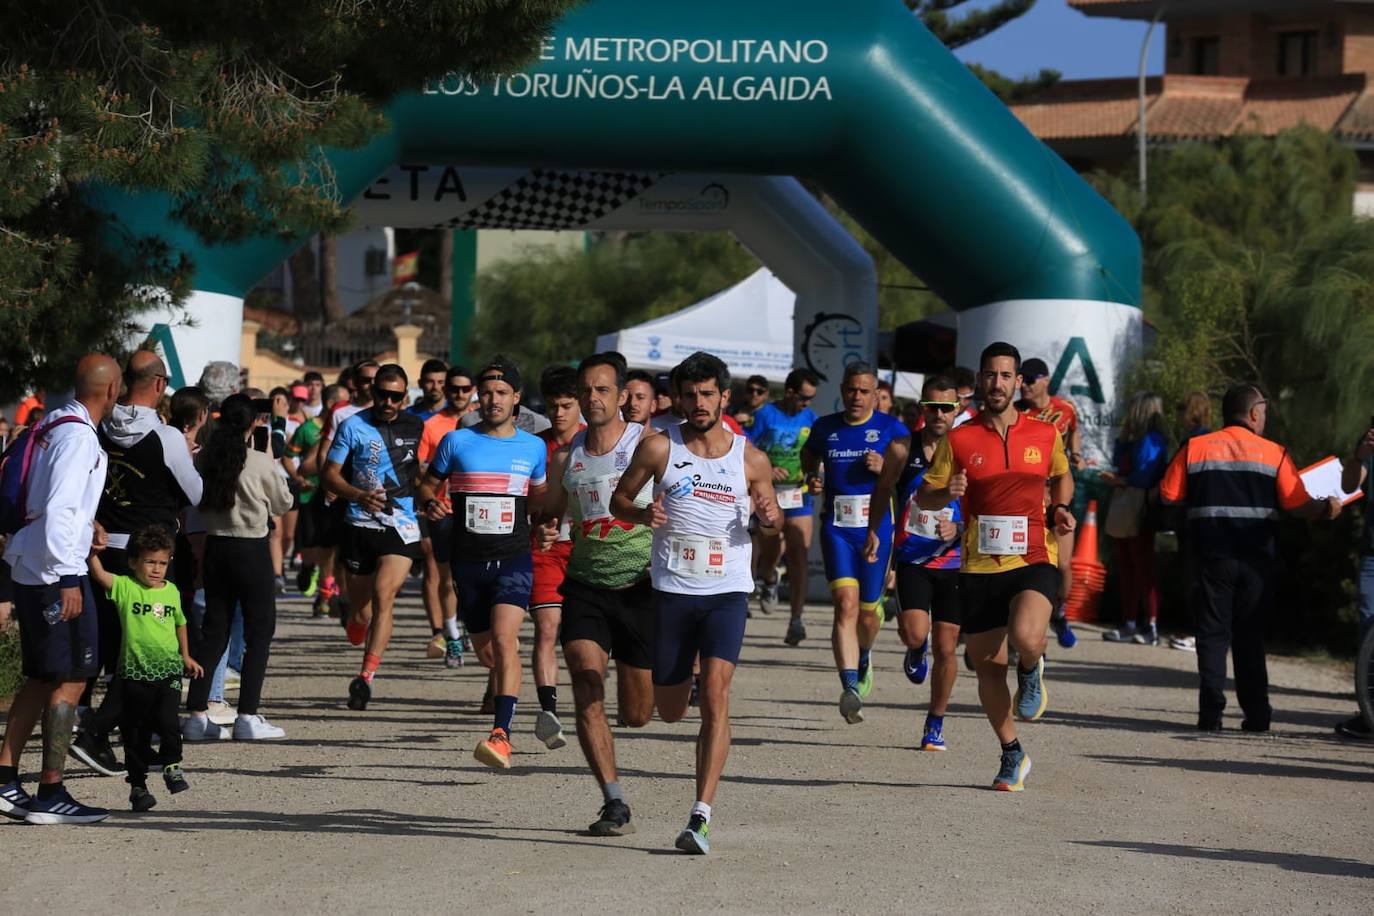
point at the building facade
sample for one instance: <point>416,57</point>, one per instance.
<point>1231,66</point>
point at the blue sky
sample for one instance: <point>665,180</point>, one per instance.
<point>1053,35</point>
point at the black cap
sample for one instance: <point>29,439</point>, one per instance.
<point>501,369</point>
<point>1033,369</point>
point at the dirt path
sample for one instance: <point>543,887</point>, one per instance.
<point>1128,810</point>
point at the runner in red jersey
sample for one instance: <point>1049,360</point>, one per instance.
<point>999,464</point>
<point>558,385</point>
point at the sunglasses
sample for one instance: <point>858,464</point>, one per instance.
<point>941,406</point>
<point>755,390</point>
<point>395,397</point>
<point>461,389</point>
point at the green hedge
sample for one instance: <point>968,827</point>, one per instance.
<point>9,661</point>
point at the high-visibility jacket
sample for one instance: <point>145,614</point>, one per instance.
<point>1234,484</point>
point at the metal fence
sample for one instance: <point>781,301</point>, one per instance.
<point>343,346</point>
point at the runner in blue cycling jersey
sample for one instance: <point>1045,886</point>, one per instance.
<point>927,556</point>
<point>379,450</point>
<point>779,431</point>
<point>852,448</point>
<point>495,475</point>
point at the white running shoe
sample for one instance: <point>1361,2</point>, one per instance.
<point>200,728</point>
<point>852,707</point>
<point>255,728</point>
<point>548,729</point>
<point>768,597</point>
<point>1183,643</point>
<point>220,712</point>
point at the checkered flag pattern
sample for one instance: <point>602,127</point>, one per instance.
<point>544,199</point>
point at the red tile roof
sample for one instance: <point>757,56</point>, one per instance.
<point>1191,107</point>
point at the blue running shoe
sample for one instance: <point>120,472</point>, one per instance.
<point>917,663</point>
<point>934,738</point>
<point>1031,696</point>
<point>694,839</point>
<point>1063,632</point>
<point>61,808</point>
<point>14,801</point>
<point>1016,766</point>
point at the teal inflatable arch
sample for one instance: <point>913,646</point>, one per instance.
<point>856,96</point>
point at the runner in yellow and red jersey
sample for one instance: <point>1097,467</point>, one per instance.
<point>999,464</point>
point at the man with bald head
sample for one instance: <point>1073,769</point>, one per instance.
<point>150,480</point>
<point>59,632</point>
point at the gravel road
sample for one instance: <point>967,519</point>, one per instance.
<point>1128,809</point>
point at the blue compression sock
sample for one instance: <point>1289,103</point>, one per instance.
<point>849,678</point>
<point>863,658</point>
<point>505,711</point>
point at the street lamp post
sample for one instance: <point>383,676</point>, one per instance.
<point>1141,134</point>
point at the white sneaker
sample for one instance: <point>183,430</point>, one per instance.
<point>548,729</point>
<point>255,728</point>
<point>231,677</point>
<point>221,713</point>
<point>1184,643</point>
<point>200,728</point>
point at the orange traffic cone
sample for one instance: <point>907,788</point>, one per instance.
<point>1089,575</point>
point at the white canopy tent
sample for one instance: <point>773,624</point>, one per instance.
<point>748,325</point>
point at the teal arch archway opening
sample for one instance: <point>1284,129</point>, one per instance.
<point>858,97</point>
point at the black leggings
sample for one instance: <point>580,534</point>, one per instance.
<point>237,571</point>
<point>148,709</point>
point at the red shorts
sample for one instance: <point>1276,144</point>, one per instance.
<point>549,568</point>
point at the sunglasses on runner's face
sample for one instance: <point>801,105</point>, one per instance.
<point>941,406</point>
<point>461,389</point>
<point>754,389</point>
<point>394,397</point>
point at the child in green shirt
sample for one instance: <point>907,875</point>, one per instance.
<point>152,656</point>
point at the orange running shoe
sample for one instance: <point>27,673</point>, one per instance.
<point>495,750</point>
<point>355,631</point>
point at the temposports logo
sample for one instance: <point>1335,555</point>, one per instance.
<point>713,198</point>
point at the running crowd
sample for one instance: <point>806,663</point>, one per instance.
<point>640,518</point>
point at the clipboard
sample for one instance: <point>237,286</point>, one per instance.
<point>1323,479</point>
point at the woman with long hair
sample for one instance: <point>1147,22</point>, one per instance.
<point>243,489</point>
<point>1140,456</point>
<point>1195,414</point>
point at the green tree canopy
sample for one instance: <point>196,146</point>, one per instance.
<point>225,106</point>
<point>955,31</point>
<point>1256,270</point>
<point>549,306</point>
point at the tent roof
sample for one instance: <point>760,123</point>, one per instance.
<point>749,325</point>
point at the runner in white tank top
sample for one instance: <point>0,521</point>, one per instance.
<point>706,479</point>
<point>705,548</point>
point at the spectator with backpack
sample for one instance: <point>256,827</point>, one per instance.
<point>149,481</point>
<point>48,502</point>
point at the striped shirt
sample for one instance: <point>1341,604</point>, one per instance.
<point>1234,484</point>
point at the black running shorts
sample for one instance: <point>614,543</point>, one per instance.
<point>986,597</point>
<point>363,547</point>
<point>936,591</point>
<point>620,621</point>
